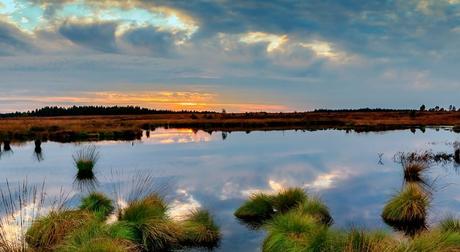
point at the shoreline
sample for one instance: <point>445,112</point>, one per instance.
<point>130,127</point>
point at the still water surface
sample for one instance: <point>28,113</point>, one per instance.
<point>219,171</point>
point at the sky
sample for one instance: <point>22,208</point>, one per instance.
<point>278,55</point>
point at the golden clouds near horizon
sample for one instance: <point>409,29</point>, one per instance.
<point>168,100</point>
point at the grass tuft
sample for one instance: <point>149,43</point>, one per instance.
<point>154,230</point>
<point>294,231</point>
<point>450,224</point>
<point>407,210</point>
<point>103,244</point>
<point>96,236</point>
<point>413,171</point>
<point>48,231</point>
<point>289,199</point>
<point>86,158</point>
<point>433,241</point>
<point>257,209</point>
<point>368,241</point>
<point>98,203</point>
<point>316,208</point>
<point>139,211</point>
<point>200,230</point>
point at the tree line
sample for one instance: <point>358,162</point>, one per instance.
<point>92,110</point>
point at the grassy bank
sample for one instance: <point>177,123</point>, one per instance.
<point>303,223</point>
<point>129,127</point>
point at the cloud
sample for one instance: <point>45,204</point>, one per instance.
<point>324,49</point>
<point>13,41</point>
<point>97,36</point>
<point>150,40</point>
<point>171,100</point>
<point>315,53</point>
<point>273,41</point>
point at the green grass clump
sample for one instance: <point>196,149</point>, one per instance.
<point>98,203</point>
<point>106,245</point>
<point>433,241</point>
<point>200,230</point>
<point>294,231</point>
<point>316,208</point>
<point>48,231</point>
<point>288,199</point>
<point>86,158</point>
<point>407,210</point>
<point>368,241</point>
<point>97,236</point>
<point>139,211</point>
<point>450,224</point>
<point>258,208</point>
<point>154,230</point>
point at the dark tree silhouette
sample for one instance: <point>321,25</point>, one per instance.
<point>93,110</point>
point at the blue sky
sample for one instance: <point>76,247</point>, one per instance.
<point>238,55</point>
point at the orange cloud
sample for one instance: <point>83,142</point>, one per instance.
<point>171,100</point>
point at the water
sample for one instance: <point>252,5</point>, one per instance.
<point>208,171</point>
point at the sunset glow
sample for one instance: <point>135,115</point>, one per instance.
<point>233,55</point>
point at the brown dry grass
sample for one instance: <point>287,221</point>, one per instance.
<point>29,127</point>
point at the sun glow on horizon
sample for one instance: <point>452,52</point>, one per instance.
<point>168,100</point>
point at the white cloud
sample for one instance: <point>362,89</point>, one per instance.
<point>183,205</point>
<point>274,41</point>
<point>327,50</point>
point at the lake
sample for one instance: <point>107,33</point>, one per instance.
<point>353,173</point>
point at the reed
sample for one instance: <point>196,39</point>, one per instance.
<point>18,209</point>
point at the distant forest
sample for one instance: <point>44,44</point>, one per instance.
<point>92,110</point>
<point>422,108</point>
<point>136,110</point>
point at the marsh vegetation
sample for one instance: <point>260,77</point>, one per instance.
<point>99,224</point>
<point>296,221</point>
<point>126,123</point>
<point>309,218</point>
